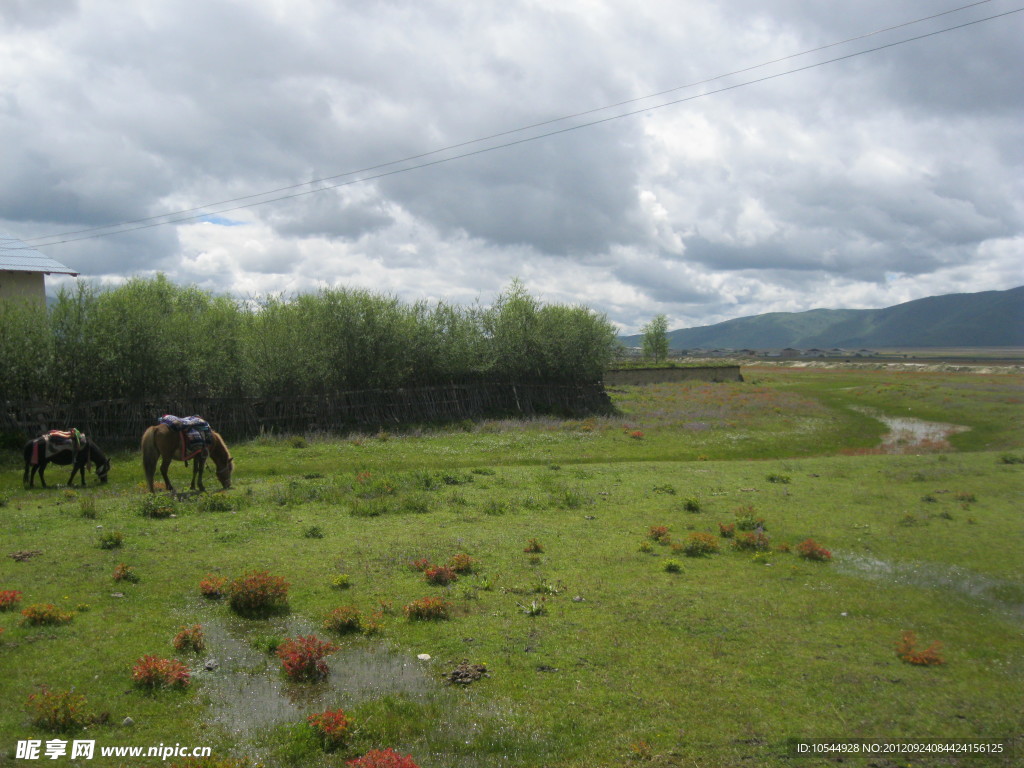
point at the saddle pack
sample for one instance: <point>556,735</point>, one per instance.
<point>58,441</point>
<point>194,431</point>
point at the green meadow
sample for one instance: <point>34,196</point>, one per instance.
<point>591,625</point>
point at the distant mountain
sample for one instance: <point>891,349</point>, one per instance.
<point>986,319</point>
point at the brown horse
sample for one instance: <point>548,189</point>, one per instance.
<point>163,442</point>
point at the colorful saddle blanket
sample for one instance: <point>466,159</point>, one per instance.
<point>196,435</point>
<point>58,441</point>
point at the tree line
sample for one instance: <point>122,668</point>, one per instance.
<point>150,338</point>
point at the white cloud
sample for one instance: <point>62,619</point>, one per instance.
<point>867,182</point>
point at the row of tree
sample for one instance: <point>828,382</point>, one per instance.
<point>151,338</point>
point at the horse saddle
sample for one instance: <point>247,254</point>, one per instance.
<point>58,441</point>
<point>195,432</point>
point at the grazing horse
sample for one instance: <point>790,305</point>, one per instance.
<point>36,459</point>
<point>165,443</point>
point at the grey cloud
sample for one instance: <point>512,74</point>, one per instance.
<point>118,114</point>
<point>330,214</point>
<point>34,14</point>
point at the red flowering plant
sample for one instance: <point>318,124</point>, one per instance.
<point>809,549</point>
<point>440,575</point>
<point>427,608</point>
<point>907,650</point>
<point>533,547</point>
<point>212,586</point>
<point>752,542</point>
<point>462,563</point>
<point>302,657</point>
<point>190,639</point>
<point>659,533</point>
<point>331,727</point>
<point>9,599</point>
<point>258,594</point>
<point>154,672</point>
<point>127,573</point>
<point>420,565</point>
<point>382,758</point>
<point>58,710</point>
<point>699,544</point>
<point>45,613</point>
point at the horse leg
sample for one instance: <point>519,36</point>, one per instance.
<point>77,467</point>
<point>163,471</point>
<point>41,468</point>
<point>199,463</point>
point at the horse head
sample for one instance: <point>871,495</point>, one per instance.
<point>224,473</point>
<point>222,458</point>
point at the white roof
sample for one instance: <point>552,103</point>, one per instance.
<point>15,256</point>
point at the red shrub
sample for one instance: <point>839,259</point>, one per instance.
<point>420,565</point>
<point>153,672</point>
<point>9,598</point>
<point>700,544</point>
<point>124,572</point>
<point>659,533</point>
<point>752,542</point>
<point>427,608</point>
<point>343,620</point>
<point>212,586</point>
<point>533,547</point>
<point>462,563</point>
<point>45,613</point>
<point>332,726</point>
<point>382,758</point>
<point>258,593</point>
<point>190,639</point>
<point>440,575</point>
<point>811,550</point>
<point>906,649</point>
<point>58,710</point>
<point>303,657</point>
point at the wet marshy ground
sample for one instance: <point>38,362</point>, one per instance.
<point>248,693</point>
<point>999,595</point>
<point>909,435</point>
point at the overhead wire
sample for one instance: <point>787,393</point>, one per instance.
<point>215,209</point>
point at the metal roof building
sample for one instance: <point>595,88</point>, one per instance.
<point>22,270</point>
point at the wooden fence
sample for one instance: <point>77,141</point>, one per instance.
<point>122,422</point>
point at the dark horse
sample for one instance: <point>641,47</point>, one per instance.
<point>36,461</point>
<point>163,442</point>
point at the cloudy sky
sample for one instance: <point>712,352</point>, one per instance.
<point>864,182</point>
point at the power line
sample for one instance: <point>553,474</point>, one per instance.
<point>180,216</point>
<point>509,132</point>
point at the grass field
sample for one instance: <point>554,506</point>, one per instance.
<point>610,646</point>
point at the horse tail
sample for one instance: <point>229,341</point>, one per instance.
<point>149,455</point>
<point>29,453</point>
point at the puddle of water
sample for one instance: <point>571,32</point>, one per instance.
<point>1004,596</point>
<point>908,435</point>
<point>248,692</point>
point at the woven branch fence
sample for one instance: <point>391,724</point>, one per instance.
<point>121,422</point>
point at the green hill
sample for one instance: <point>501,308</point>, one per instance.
<point>986,319</point>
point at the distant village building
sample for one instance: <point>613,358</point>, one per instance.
<point>23,271</point>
